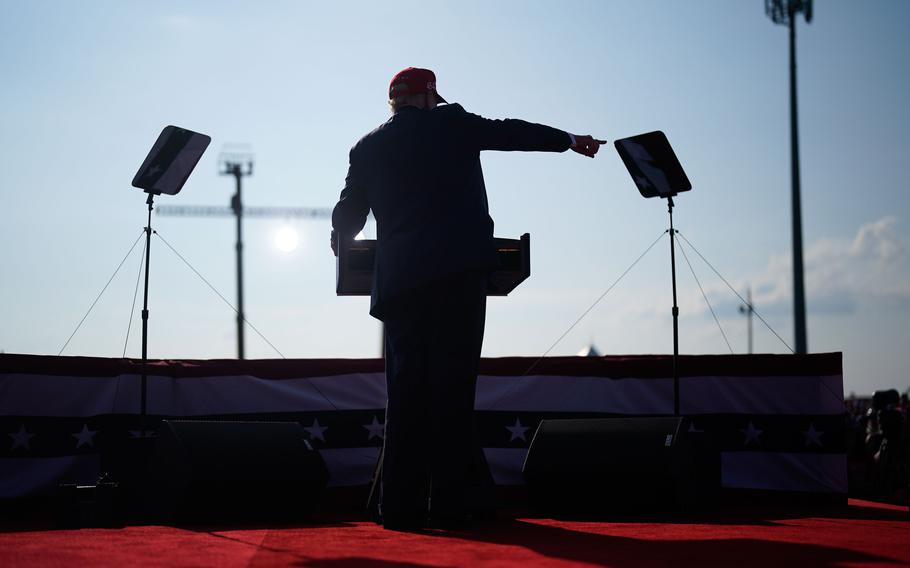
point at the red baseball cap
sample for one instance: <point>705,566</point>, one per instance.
<point>413,81</point>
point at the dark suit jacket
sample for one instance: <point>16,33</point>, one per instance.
<point>420,174</point>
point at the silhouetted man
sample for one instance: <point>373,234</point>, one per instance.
<point>420,174</point>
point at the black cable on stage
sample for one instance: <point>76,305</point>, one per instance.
<point>246,321</point>
<point>705,296</point>
<point>135,294</point>
<point>101,293</point>
<point>737,293</point>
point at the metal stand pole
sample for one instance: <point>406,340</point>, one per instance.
<point>675,311</point>
<point>237,205</point>
<point>751,311</point>
<point>145,320</point>
<point>799,293</point>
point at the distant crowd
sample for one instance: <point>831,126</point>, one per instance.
<point>878,445</point>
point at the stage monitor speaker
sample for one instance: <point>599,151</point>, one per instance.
<point>620,465</point>
<point>212,471</point>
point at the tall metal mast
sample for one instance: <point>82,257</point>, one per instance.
<point>784,12</point>
<point>239,166</point>
<point>748,310</point>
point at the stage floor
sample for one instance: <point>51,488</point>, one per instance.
<point>861,534</point>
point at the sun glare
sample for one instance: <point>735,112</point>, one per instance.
<point>286,239</point>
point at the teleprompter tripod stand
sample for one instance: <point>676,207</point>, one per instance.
<point>657,173</point>
<point>166,168</point>
<point>125,468</point>
<point>675,310</point>
<point>119,494</point>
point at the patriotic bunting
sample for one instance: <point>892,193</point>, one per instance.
<point>779,419</point>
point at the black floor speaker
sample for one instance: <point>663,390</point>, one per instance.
<point>621,465</point>
<point>227,471</point>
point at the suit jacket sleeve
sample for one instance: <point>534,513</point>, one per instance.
<point>513,135</point>
<point>350,213</point>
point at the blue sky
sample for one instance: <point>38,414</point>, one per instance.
<point>88,86</point>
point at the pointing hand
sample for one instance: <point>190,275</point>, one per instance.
<point>587,145</point>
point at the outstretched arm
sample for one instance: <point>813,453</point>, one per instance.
<point>512,134</point>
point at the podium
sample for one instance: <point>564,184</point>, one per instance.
<point>356,261</point>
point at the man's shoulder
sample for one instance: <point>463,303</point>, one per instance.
<point>451,108</point>
<point>370,137</point>
<point>451,112</point>
<point>447,112</point>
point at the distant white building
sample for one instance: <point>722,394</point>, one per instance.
<point>589,351</point>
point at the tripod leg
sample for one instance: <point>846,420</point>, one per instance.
<point>373,497</point>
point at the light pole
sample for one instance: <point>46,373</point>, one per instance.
<point>784,12</point>
<point>239,166</point>
<point>748,310</point>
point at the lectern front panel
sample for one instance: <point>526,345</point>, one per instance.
<point>356,261</point>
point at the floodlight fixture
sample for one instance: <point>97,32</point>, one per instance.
<point>235,160</point>
<point>783,11</point>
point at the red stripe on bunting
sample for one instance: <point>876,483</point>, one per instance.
<point>638,366</point>
<point>661,366</point>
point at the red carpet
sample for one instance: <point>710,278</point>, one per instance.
<point>863,534</point>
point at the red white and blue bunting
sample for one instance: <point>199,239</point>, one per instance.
<point>779,419</point>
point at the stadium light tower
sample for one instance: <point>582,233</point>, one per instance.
<point>238,165</point>
<point>784,12</point>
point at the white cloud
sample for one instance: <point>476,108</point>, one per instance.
<point>872,270</point>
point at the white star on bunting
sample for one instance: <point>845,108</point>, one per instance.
<point>518,431</point>
<point>751,433</point>
<point>376,429</point>
<point>86,437</point>
<point>813,436</point>
<point>21,439</point>
<point>316,431</point>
